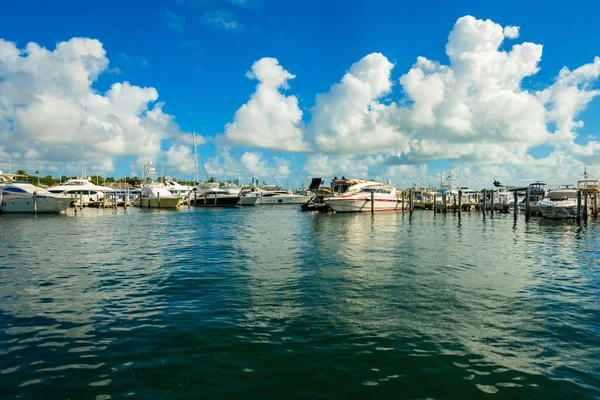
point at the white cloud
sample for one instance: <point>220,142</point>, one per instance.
<point>350,119</point>
<point>269,119</point>
<point>511,32</point>
<point>221,19</point>
<point>50,112</point>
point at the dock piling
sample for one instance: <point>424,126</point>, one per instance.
<point>372,201</point>
<point>585,206</point>
<point>35,203</point>
<point>484,201</point>
<point>492,202</point>
<point>459,201</point>
<point>454,201</point>
<point>527,204</point>
<point>516,204</point>
<point>445,202</point>
<point>434,200</point>
<point>158,197</point>
<point>578,205</point>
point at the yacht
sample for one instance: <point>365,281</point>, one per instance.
<point>82,189</point>
<point>157,195</point>
<point>537,191</point>
<point>209,194</point>
<point>357,197</point>
<point>20,197</point>
<point>560,203</point>
<point>270,194</point>
<point>179,190</point>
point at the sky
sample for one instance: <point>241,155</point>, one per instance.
<point>288,90</point>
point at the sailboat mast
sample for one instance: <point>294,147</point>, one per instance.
<point>195,160</point>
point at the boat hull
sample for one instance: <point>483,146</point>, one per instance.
<point>558,211</point>
<point>164,203</point>
<point>248,200</point>
<point>219,201</point>
<point>44,204</point>
<point>363,205</point>
<point>283,199</point>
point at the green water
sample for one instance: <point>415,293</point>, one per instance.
<point>268,302</point>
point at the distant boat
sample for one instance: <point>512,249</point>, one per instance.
<point>22,197</point>
<point>357,198</point>
<point>282,197</point>
<point>209,194</point>
<point>156,195</point>
<point>82,189</point>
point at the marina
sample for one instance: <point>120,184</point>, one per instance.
<point>187,304</point>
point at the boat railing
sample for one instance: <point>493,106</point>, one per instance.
<point>589,184</point>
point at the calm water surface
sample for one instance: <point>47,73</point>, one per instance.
<point>269,302</point>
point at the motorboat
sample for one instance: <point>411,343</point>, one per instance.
<point>23,197</point>
<point>81,189</point>
<point>248,196</point>
<point>359,197</point>
<point>537,191</point>
<point>282,197</point>
<point>179,190</point>
<point>209,194</point>
<point>560,203</point>
<point>157,195</point>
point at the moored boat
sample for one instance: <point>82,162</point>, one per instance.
<point>366,196</point>
<point>23,197</point>
<point>561,203</point>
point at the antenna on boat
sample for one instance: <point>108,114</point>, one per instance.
<point>195,160</point>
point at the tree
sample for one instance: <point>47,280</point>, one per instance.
<point>21,172</point>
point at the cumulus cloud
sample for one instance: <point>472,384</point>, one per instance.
<point>49,111</point>
<point>269,119</point>
<point>350,119</point>
<point>249,164</point>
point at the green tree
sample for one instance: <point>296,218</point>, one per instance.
<point>21,172</point>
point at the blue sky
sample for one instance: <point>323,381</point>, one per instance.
<point>195,53</point>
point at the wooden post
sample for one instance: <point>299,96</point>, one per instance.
<point>403,203</point>
<point>205,199</point>
<point>585,206</point>
<point>35,203</point>
<point>492,201</point>
<point>195,198</point>
<point>189,199</point>
<point>434,200</point>
<point>595,204</point>
<point>459,201</point>
<point>516,204</point>
<point>372,201</point>
<point>578,205</point>
<point>484,202</point>
<point>527,204</point>
<point>158,198</point>
<point>455,200</point>
<point>410,201</point>
<point>215,199</point>
<point>445,202</point>
<point>80,199</point>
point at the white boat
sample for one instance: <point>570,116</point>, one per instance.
<point>179,190</point>
<point>81,189</point>
<point>22,197</point>
<point>357,198</point>
<point>561,203</point>
<point>209,194</point>
<point>537,191</point>
<point>282,197</point>
<point>248,197</point>
<point>156,195</point>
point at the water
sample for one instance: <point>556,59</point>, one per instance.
<point>269,302</point>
